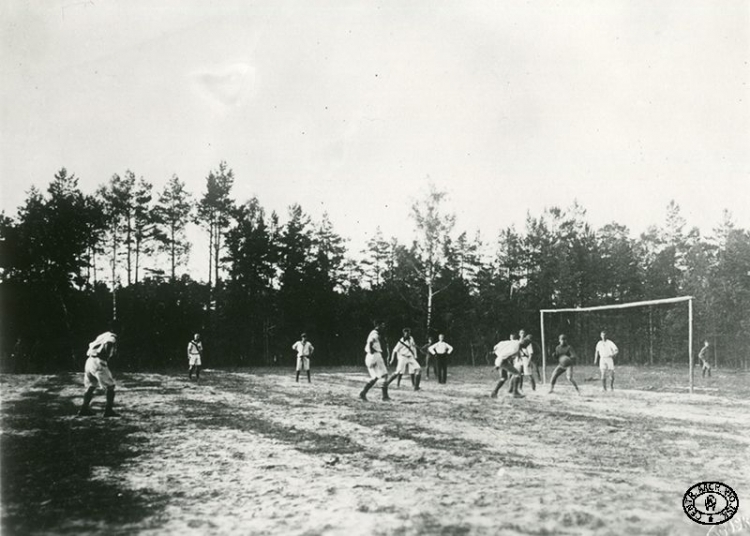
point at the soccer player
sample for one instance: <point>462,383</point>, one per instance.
<point>565,360</point>
<point>605,353</point>
<point>304,350</point>
<point>703,356</point>
<point>526,359</point>
<point>441,350</point>
<point>96,373</point>
<point>405,352</point>
<point>507,352</point>
<point>426,351</point>
<point>374,361</point>
<point>194,354</point>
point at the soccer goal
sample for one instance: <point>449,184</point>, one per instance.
<point>647,332</point>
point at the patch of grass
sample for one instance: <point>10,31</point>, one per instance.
<point>48,458</point>
<point>220,415</point>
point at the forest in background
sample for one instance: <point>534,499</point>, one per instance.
<point>71,261</point>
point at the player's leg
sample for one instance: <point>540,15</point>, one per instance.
<point>306,367</point>
<point>514,378</point>
<point>555,374</point>
<point>369,385</point>
<point>109,408</point>
<point>427,366</point>
<point>603,372</point>
<point>503,379</point>
<point>612,379</point>
<point>299,368</point>
<point>197,371</point>
<point>569,375</point>
<point>88,395</point>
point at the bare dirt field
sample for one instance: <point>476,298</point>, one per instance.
<point>253,452</point>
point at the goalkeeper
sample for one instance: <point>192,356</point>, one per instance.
<point>566,359</point>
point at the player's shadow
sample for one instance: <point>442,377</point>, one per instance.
<point>54,467</point>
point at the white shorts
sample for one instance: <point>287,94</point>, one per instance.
<point>194,360</point>
<point>526,365</point>
<point>407,365</point>
<point>606,363</point>
<point>96,373</point>
<point>375,365</point>
<point>303,363</point>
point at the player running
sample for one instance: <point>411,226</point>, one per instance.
<point>605,353</point>
<point>194,354</point>
<point>304,350</point>
<point>703,356</point>
<point>405,352</point>
<point>96,373</point>
<point>566,357</point>
<point>506,352</point>
<point>374,361</point>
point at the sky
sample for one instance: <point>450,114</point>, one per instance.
<point>351,107</point>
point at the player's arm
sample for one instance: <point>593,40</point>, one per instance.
<point>393,353</point>
<point>596,354</point>
<point>615,349</point>
<point>450,348</point>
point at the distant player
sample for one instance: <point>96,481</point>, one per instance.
<point>405,352</point>
<point>566,357</point>
<point>441,350</point>
<point>507,352</point>
<point>504,373</point>
<point>526,362</point>
<point>195,355</point>
<point>96,373</point>
<point>605,354</point>
<point>304,350</point>
<point>426,351</point>
<point>703,356</point>
<point>374,361</point>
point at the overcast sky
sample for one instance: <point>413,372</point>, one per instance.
<point>349,106</point>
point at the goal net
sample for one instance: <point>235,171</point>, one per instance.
<point>654,332</point>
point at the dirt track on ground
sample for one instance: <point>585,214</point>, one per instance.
<point>256,453</point>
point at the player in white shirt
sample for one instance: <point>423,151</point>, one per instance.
<point>96,373</point>
<point>405,353</point>
<point>605,353</point>
<point>441,350</point>
<point>375,363</point>
<point>304,350</point>
<point>507,352</point>
<point>195,354</point>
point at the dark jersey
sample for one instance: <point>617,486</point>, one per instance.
<point>564,350</point>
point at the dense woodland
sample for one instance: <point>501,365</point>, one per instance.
<point>71,261</point>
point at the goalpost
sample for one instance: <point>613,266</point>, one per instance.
<point>688,299</point>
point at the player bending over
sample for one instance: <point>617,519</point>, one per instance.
<point>304,350</point>
<point>405,352</point>
<point>506,352</point>
<point>605,353</point>
<point>96,373</point>
<point>703,356</point>
<point>566,357</point>
<point>374,362</point>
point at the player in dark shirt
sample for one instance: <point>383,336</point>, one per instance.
<point>566,359</point>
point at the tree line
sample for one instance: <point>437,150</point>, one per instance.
<point>72,261</point>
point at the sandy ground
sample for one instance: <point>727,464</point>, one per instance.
<point>253,452</point>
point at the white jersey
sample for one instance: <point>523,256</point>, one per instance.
<point>405,348</point>
<point>103,346</point>
<point>507,349</point>
<point>606,349</point>
<point>440,348</point>
<point>373,345</point>
<point>303,349</point>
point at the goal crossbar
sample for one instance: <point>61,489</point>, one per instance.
<point>618,305</point>
<point>679,299</point>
